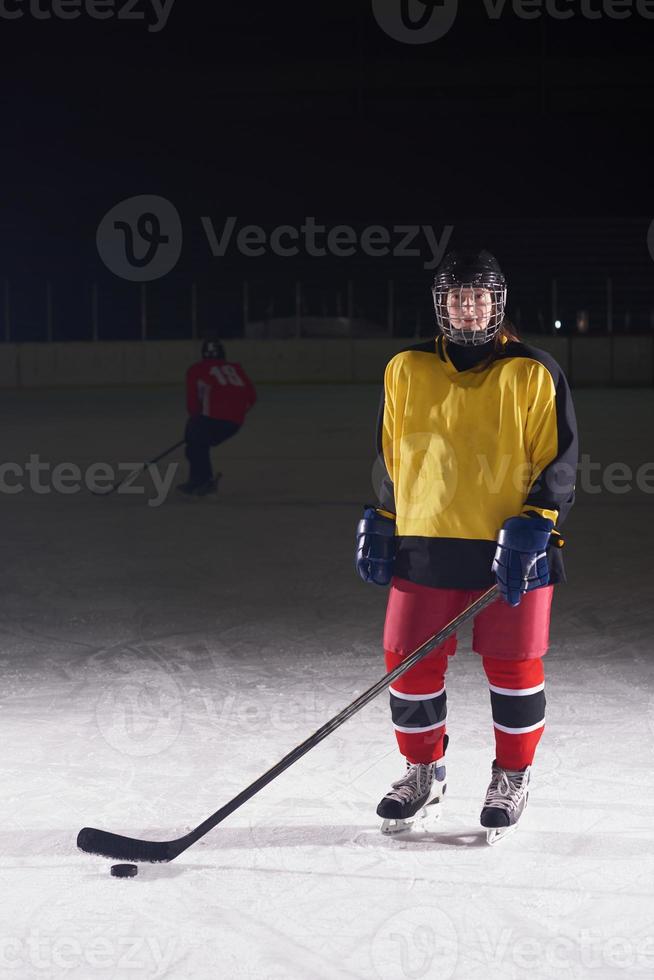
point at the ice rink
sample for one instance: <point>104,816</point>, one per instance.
<point>159,653</point>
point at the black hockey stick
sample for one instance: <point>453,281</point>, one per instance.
<point>120,848</point>
<point>137,472</point>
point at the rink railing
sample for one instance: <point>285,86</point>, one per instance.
<point>587,361</point>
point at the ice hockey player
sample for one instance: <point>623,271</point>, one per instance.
<point>219,395</point>
<point>478,448</point>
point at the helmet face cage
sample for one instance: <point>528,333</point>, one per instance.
<point>465,295</point>
<point>213,349</point>
<point>469,287</point>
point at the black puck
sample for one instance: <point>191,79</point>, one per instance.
<point>124,870</point>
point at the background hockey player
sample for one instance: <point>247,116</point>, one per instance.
<point>219,395</point>
<point>477,435</point>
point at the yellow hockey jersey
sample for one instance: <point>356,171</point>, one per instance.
<point>464,448</point>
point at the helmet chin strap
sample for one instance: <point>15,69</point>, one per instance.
<point>470,338</point>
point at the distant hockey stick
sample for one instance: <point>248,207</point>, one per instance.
<point>137,472</point>
<point>120,848</point>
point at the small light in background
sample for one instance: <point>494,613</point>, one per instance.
<point>557,324</point>
<point>582,321</point>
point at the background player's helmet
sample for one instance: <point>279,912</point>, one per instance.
<point>213,349</point>
<point>465,271</point>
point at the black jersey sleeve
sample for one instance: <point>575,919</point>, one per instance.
<point>553,488</point>
<point>383,482</point>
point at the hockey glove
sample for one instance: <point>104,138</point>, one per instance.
<point>520,562</point>
<point>375,546</point>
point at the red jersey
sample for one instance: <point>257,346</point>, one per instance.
<point>219,390</point>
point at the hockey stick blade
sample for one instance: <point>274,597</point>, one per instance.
<point>133,849</point>
<point>120,848</point>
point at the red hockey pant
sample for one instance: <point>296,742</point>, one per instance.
<point>511,642</point>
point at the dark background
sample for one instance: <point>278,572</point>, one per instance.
<point>155,659</point>
<point>531,137</point>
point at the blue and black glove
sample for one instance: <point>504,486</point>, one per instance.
<point>520,562</point>
<point>375,546</point>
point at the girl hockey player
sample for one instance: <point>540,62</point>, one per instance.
<point>477,436</point>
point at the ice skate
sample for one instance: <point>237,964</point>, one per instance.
<point>211,486</point>
<point>506,799</point>
<point>414,797</point>
<point>187,488</point>
<point>200,489</point>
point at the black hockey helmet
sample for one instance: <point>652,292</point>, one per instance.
<point>213,349</point>
<point>456,282</point>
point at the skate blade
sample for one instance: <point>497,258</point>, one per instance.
<point>430,813</point>
<point>495,834</point>
<point>391,828</point>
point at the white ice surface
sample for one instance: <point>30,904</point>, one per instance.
<point>155,660</point>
